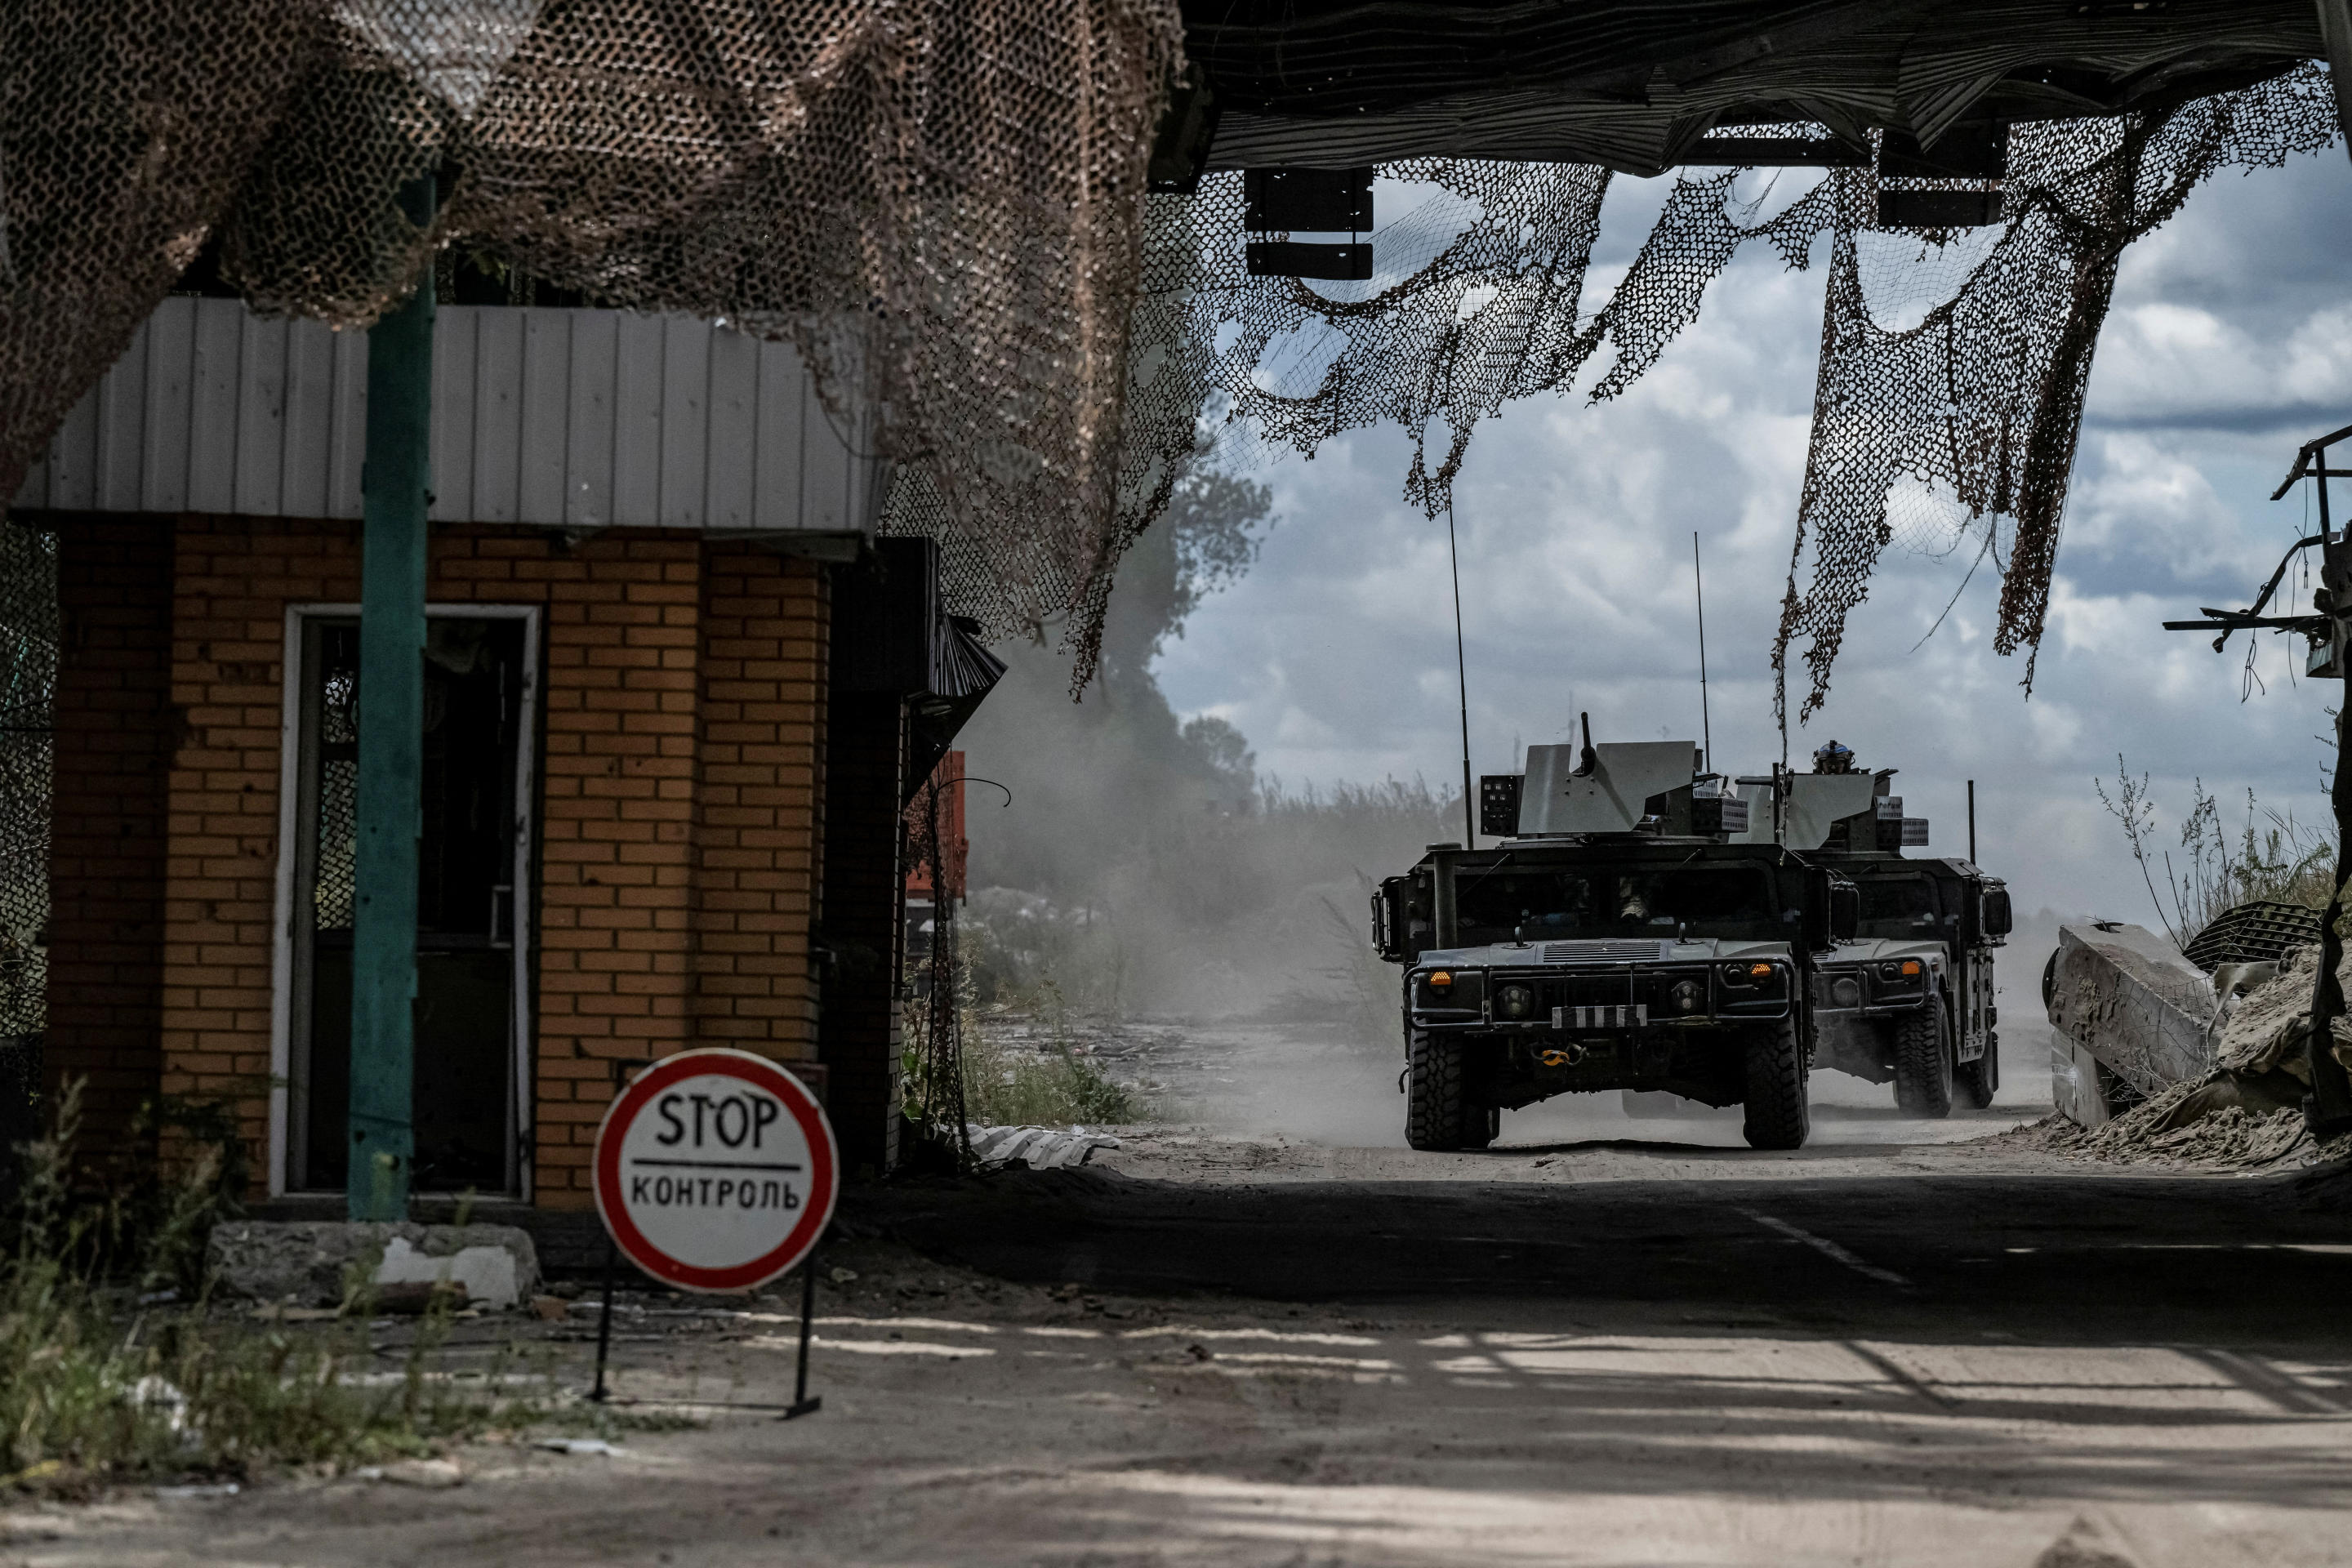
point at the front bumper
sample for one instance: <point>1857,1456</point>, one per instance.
<point>1860,991</point>
<point>1571,1002</point>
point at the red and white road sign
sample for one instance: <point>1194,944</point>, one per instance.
<point>716,1170</point>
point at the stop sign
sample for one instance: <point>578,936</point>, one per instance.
<point>716,1170</point>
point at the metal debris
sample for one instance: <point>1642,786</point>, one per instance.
<point>1043,1148</point>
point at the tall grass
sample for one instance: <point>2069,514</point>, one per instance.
<point>1006,1086</point>
<point>109,1373</point>
<point>1030,1081</point>
<point>2270,857</point>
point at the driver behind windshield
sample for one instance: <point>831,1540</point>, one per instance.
<point>1612,902</point>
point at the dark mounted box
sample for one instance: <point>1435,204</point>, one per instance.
<point>1498,805</point>
<point>1963,152</point>
<point>1287,259</point>
<point>1720,152</point>
<point>1939,209</point>
<point>1306,200</point>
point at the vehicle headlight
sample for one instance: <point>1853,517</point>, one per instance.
<point>1903,971</point>
<point>1514,1001</point>
<point>1846,991</point>
<point>1736,975</point>
<point>1687,996</point>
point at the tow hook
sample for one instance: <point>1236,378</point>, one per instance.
<point>1567,1055</point>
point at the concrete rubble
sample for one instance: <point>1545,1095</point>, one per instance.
<point>2203,1125</point>
<point>313,1263</point>
<point>2154,1060</point>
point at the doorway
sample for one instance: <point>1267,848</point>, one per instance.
<point>471,1108</point>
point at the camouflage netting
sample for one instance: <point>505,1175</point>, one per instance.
<point>1953,364</point>
<point>28,669</point>
<point>936,200</point>
<point>1953,369</point>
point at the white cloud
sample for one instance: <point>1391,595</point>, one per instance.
<point>1336,655</point>
<point>2168,360</point>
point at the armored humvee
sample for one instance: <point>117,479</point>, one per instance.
<point>1911,1000</point>
<point>1629,931</point>
<point>1645,925</point>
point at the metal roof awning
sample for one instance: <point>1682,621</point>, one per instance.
<point>1637,84</point>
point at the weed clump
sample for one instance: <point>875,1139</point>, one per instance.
<point>110,1371</point>
<point>2271,858</point>
<point>1005,1086</point>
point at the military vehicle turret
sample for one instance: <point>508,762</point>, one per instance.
<point>1643,924</point>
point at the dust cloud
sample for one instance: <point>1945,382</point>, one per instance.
<point>1147,895</point>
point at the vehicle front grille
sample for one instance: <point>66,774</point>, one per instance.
<point>1619,1017</point>
<point>1577,994</point>
<point>1626,998</point>
<point>1613,949</point>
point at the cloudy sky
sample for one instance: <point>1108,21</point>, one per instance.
<point>2226,349</point>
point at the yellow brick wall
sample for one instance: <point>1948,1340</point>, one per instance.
<point>758,801</point>
<point>682,697</point>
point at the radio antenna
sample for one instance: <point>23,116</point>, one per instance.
<point>1706,732</point>
<point>1462,674</point>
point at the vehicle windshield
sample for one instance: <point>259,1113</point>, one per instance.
<point>1716,900</point>
<point>1900,907</point>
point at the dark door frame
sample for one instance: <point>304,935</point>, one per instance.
<point>295,749</point>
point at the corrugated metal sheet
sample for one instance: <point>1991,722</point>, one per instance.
<point>568,418</point>
<point>1632,83</point>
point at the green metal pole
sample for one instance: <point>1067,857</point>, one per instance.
<point>395,490</point>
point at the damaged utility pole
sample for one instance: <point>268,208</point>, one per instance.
<point>396,484</point>
<point>2327,1109</point>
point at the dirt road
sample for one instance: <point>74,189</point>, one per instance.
<point>1625,1350</point>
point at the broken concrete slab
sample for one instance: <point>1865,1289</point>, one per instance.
<point>2126,998</point>
<point>490,1270</point>
<point>309,1263</point>
<point>2074,1084</point>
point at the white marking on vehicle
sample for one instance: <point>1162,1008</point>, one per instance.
<point>1827,1248</point>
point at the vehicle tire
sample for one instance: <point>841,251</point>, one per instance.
<point>1778,1114</point>
<point>1922,1064</point>
<point>1434,1106</point>
<point>1980,1080</point>
<point>1480,1125</point>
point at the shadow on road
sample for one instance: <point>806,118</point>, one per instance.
<point>2052,1259</point>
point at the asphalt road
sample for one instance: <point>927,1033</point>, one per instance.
<point>2070,1257</point>
<point>1609,1353</point>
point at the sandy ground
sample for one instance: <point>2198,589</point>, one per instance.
<point>1609,1341</point>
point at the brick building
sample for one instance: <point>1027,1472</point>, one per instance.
<point>677,694</point>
